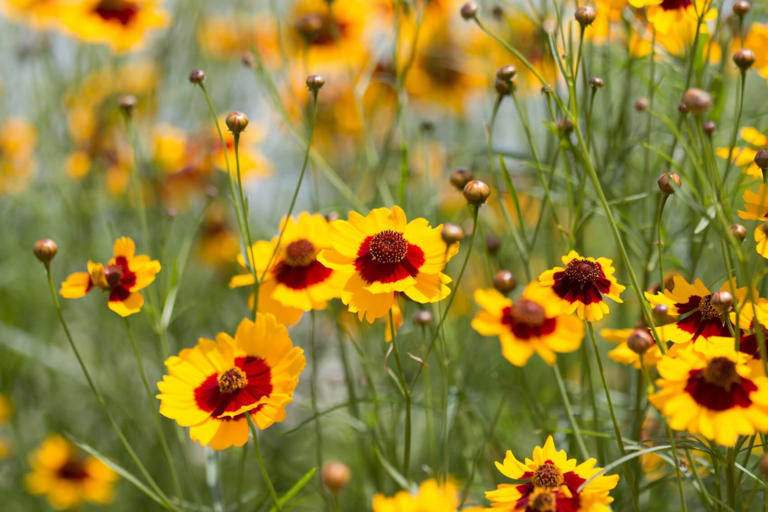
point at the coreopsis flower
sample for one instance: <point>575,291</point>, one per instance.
<point>295,280</point>
<point>745,156</point>
<point>233,35</point>
<point>211,387</point>
<point>674,16</point>
<point>583,284</point>
<point>381,255</point>
<point>761,240</point>
<point>123,277</point>
<point>708,388</point>
<point>757,38</point>
<point>551,481</point>
<point>123,25</point>
<point>431,496</point>
<point>534,323</point>
<point>17,160</point>
<point>755,204</point>
<point>691,305</point>
<point>38,14</point>
<point>625,355</point>
<point>65,478</point>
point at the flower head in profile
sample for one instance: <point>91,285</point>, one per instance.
<point>583,284</point>
<point>534,323</point>
<point>431,496</point>
<point>211,387</point>
<point>295,280</point>
<point>708,388</point>
<point>745,156</point>
<point>381,255</point>
<point>550,481</point>
<point>123,277</point>
<point>67,479</point>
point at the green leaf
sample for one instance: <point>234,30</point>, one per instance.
<point>293,491</point>
<point>395,474</point>
<point>622,460</point>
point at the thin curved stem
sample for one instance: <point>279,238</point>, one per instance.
<point>406,397</point>
<point>260,461</point>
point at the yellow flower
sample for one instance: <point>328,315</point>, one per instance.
<point>17,161</point>
<point>39,14</point>
<point>232,36</point>
<point>583,284</point>
<point>707,388</point>
<point>756,204</point>
<point>757,40</point>
<point>295,280</point>
<point>381,255</point>
<point>533,323</point>
<point>123,277</point>
<point>430,497</point>
<point>66,479</point>
<point>675,18</point>
<point>551,481</point>
<point>211,387</point>
<point>745,156</point>
<point>625,355</point>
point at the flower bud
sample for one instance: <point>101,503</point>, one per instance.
<point>469,10</point>
<point>452,233</point>
<point>309,25</point>
<point>332,216</point>
<point>565,126</point>
<point>744,58</point>
<point>641,104</point>
<point>45,250</point>
<point>761,159</point>
<point>596,82</point>
<point>503,87</point>
<point>721,301</point>
<point>423,317</point>
<point>739,231</point>
<point>236,122</point>
<point>247,60</point>
<point>639,341</point>
<point>709,127</point>
<point>492,244</point>
<point>741,8</point>
<point>476,192</point>
<point>497,11</point>
<point>504,281</point>
<point>211,191</point>
<point>197,76</point>
<point>506,73</point>
<point>661,313</point>
<point>697,101</point>
<point>315,82</point>
<point>585,15</point>
<point>335,476</point>
<point>668,183</point>
<point>682,108</point>
<point>127,104</point>
<point>461,177</point>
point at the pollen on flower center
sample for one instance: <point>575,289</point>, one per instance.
<point>232,380</point>
<point>544,502</point>
<point>300,253</point>
<point>582,271</point>
<point>547,476</point>
<point>388,247</point>
<point>721,371</point>
<point>113,274</point>
<point>707,310</point>
<point>528,312</point>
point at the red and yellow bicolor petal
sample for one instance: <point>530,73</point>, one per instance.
<point>76,285</point>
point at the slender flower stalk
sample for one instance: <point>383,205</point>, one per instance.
<point>569,412</point>
<point>406,396</point>
<point>262,467</point>
<point>313,394</point>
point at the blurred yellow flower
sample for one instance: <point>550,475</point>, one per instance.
<point>17,161</point>
<point>745,156</point>
<point>757,40</point>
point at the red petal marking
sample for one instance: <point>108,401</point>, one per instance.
<point>698,323</point>
<point>299,278</point>
<point>525,331</point>
<point>210,399</point>
<point>719,398</point>
<point>120,11</point>
<point>583,281</point>
<point>565,503</point>
<point>123,290</point>
<point>671,5</point>
<point>748,345</point>
<point>374,271</point>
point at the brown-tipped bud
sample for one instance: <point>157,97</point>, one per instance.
<point>761,159</point>
<point>247,60</point>
<point>503,87</point>
<point>709,127</point>
<point>504,281</point>
<point>476,192</point>
<point>697,101</point>
<point>565,126</point>
<point>639,341</point>
<point>127,104</point>
<point>497,11</point>
<point>461,177</point>
<point>469,10</point>
<point>422,318</point>
<point>45,250</point>
<point>741,8</point>
<point>309,25</point>
<point>335,476</point>
<point>506,73</point>
<point>641,104</point>
<point>171,212</point>
<point>197,76</point>
<point>668,183</point>
<point>332,216</point>
<point>585,15</point>
<point>721,301</point>
<point>682,108</point>
<point>236,122</point>
<point>739,231</point>
<point>661,313</point>
<point>744,58</point>
<point>452,233</point>
<point>315,82</point>
<point>492,244</point>
<point>596,82</point>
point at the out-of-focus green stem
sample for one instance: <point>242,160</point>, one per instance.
<point>260,461</point>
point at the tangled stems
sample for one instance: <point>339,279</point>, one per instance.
<point>260,461</point>
<point>406,395</point>
<point>734,133</point>
<point>160,496</point>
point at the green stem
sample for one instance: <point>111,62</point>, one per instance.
<point>247,241</point>
<point>569,413</point>
<point>260,461</point>
<point>313,396</point>
<point>406,396</point>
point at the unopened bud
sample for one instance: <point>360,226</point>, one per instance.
<point>721,301</point>
<point>497,11</point>
<point>739,231</point>
<point>761,159</point>
<point>469,10</point>
<point>661,313</point>
<point>335,476</point>
<point>565,126</point>
<point>639,341</point>
<point>697,101</point>
<point>506,73</point>
<point>452,233</point>
<point>247,60</point>
<point>315,82</point>
<point>332,216</point>
<point>197,76</point>
<point>709,127</point>
<point>585,15</point>
<point>503,87</point>
<point>45,250</point>
<point>127,104</point>
<point>641,104</point>
<point>596,82</point>
<point>504,281</point>
<point>741,8</point>
<point>492,244</point>
<point>236,122</point>
<point>461,177</point>
<point>744,58</point>
<point>422,317</point>
<point>668,183</point>
<point>476,192</point>
<point>309,25</point>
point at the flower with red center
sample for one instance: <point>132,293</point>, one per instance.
<point>211,387</point>
<point>745,156</point>
<point>583,284</point>
<point>66,479</point>
<point>708,389</point>
<point>670,17</point>
<point>381,255</point>
<point>755,204</point>
<point>533,323</point>
<point>431,496</point>
<point>123,277</point>
<point>550,481</point>
<point>121,24</point>
<point>296,281</point>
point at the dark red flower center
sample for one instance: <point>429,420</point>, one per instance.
<point>527,319</point>
<point>321,29</point>
<point>700,318</point>
<point>387,257</point>
<point>547,476</point>
<point>528,312</point>
<point>300,253</point>
<point>113,274</point>
<point>72,469</point>
<point>718,386</point>
<point>247,382</point>
<point>442,63</point>
<point>671,5</point>
<point>299,268</point>
<point>120,11</point>
<point>388,247</point>
<point>581,280</point>
<point>549,490</point>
